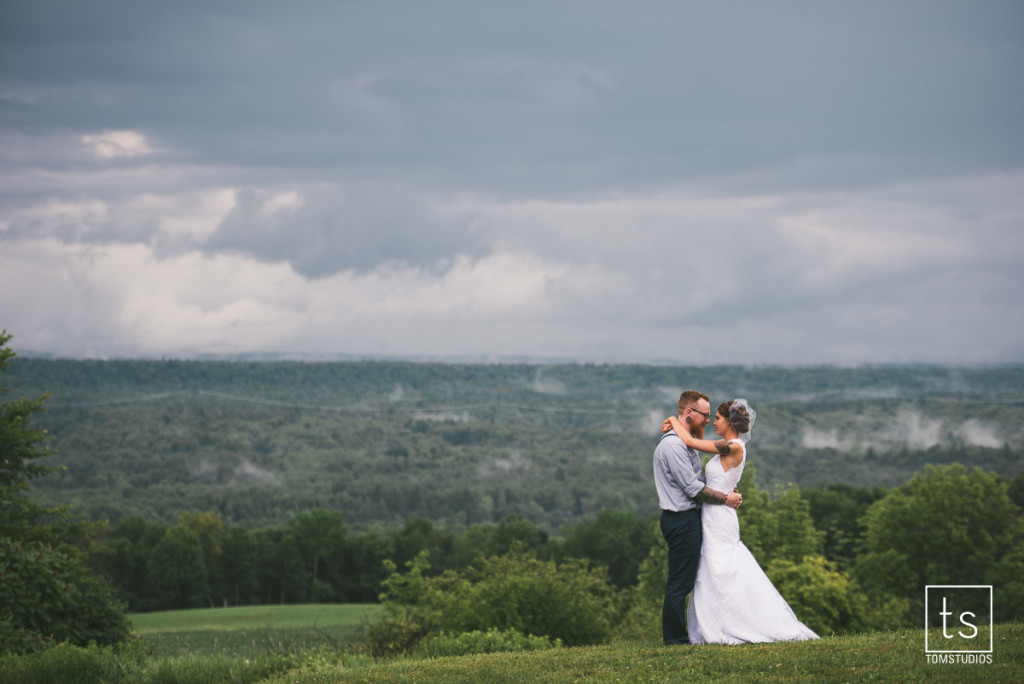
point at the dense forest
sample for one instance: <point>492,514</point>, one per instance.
<point>387,442</point>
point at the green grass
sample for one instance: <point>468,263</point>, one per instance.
<point>881,657</point>
<point>223,634</point>
<point>251,630</point>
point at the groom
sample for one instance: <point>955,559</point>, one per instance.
<point>679,479</point>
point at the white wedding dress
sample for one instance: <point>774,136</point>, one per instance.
<point>733,600</point>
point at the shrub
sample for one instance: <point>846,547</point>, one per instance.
<point>195,669</point>
<point>491,641</point>
<point>571,603</point>
<point>828,601</point>
<point>405,618</point>
<point>822,598</point>
<point>127,663</point>
<point>69,663</point>
<point>641,612</point>
<point>397,631</point>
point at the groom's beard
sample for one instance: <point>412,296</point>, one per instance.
<point>697,432</point>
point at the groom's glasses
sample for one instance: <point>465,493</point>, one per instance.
<point>706,415</point>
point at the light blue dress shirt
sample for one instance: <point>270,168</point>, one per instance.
<point>678,474</point>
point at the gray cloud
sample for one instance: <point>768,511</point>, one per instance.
<point>541,100</point>
<point>334,228</point>
<point>797,182</point>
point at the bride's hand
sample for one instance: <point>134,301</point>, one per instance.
<point>672,423</point>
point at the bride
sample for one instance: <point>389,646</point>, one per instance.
<point>733,600</point>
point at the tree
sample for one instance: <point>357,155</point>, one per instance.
<point>280,574</point>
<point>618,540</point>
<point>208,527</point>
<point>318,534</point>
<point>177,574</point>
<point>47,592</point>
<point>780,527</point>
<point>516,532</point>
<point>21,448</point>
<point>1016,489</point>
<point>947,525</point>
<point>130,543</point>
<point>416,536</point>
<point>1007,580</point>
<point>837,511</point>
<point>239,565</point>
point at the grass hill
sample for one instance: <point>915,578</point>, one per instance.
<point>221,651</point>
<point>879,657</point>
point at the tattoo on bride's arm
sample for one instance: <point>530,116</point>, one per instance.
<point>723,447</point>
<point>709,495</point>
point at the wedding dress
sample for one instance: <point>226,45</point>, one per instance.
<point>733,600</point>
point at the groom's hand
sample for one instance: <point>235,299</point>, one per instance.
<point>733,499</point>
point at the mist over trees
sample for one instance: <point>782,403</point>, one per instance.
<point>386,442</point>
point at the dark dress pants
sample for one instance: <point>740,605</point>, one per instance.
<point>682,532</point>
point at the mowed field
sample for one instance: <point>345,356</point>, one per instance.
<point>251,630</point>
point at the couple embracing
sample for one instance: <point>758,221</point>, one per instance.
<point>733,600</point>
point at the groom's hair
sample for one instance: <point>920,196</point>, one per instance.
<point>689,399</point>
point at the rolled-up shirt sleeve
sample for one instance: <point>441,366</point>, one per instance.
<point>680,463</point>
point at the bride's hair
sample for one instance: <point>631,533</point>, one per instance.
<point>737,415</point>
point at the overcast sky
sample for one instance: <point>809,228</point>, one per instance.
<point>736,183</point>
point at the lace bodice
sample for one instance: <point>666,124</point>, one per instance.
<point>721,524</point>
<point>718,478</point>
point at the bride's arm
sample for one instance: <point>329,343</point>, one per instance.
<point>706,445</point>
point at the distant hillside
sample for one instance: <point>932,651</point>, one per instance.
<point>386,441</point>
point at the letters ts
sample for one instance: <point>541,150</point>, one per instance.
<point>945,612</point>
